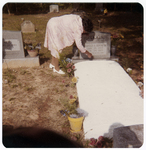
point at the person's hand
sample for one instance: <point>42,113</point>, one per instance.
<point>90,56</point>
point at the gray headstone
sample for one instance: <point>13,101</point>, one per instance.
<point>97,43</point>
<point>99,6</point>
<point>54,8</point>
<point>27,27</point>
<point>12,45</point>
<point>128,137</point>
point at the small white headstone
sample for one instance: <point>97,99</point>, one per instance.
<point>54,8</point>
<point>27,27</point>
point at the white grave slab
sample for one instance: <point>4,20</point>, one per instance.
<point>110,97</point>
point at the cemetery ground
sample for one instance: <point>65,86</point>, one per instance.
<point>31,96</point>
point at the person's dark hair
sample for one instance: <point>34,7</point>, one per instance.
<point>87,24</point>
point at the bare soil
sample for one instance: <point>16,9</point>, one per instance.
<point>31,96</point>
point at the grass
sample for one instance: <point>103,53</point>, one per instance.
<point>69,107</point>
<point>130,25</point>
<point>12,99</point>
<point>129,51</point>
<point>8,75</point>
<point>29,88</point>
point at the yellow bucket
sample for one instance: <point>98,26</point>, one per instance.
<point>76,124</point>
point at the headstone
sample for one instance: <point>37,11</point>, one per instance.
<point>128,137</point>
<point>97,43</point>
<point>27,27</point>
<point>99,7</point>
<point>12,45</point>
<point>54,8</point>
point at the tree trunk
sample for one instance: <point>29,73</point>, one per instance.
<point>8,9</point>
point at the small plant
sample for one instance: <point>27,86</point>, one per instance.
<point>70,105</point>
<point>67,66</point>
<point>8,74</point>
<point>115,38</point>
<point>22,72</point>
<point>14,86</point>
<point>32,46</point>
<point>12,99</point>
<point>28,89</point>
<point>126,62</point>
<point>101,142</point>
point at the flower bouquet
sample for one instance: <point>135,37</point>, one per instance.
<point>101,142</point>
<point>67,66</point>
<point>32,48</point>
<point>75,115</point>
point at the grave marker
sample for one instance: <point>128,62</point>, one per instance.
<point>99,7</point>
<point>12,45</point>
<point>54,8</point>
<point>128,136</point>
<point>27,27</point>
<point>97,43</point>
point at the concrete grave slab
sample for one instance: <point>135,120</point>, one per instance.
<point>128,137</point>
<point>110,97</point>
<point>12,45</point>
<point>21,62</point>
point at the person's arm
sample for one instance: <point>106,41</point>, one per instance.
<point>80,46</point>
<point>89,54</point>
<point>78,30</point>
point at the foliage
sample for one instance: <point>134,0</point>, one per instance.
<point>70,106</point>
<point>126,62</point>
<point>67,66</point>
<point>101,142</point>
<point>115,38</point>
<point>32,46</point>
<point>8,74</point>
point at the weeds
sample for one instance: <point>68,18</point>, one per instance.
<point>22,72</point>
<point>72,85</point>
<point>28,89</point>
<point>126,62</point>
<point>14,86</point>
<point>7,74</point>
<point>12,99</point>
<point>71,108</point>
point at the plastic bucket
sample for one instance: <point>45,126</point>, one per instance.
<point>76,124</point>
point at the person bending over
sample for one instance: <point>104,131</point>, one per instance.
<point>63,31</point>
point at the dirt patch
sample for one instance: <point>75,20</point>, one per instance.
<point>31,97</point>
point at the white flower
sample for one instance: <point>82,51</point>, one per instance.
<point>129,70</point>
<point>139,84</point>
